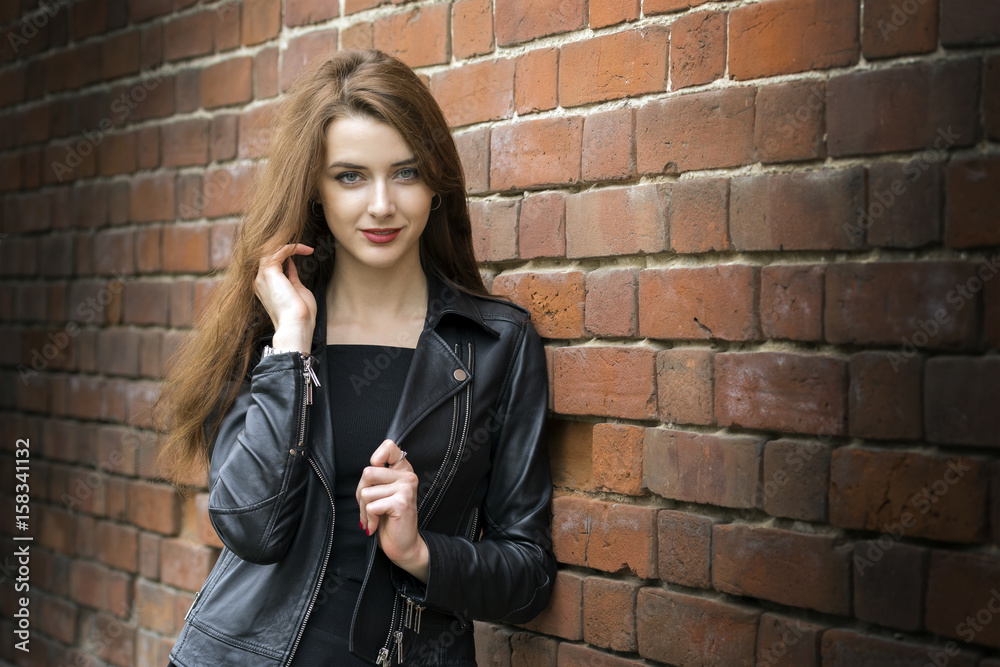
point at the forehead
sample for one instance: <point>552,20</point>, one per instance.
<point>365,141</point>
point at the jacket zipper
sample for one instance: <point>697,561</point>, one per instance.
<point>384,656</point>
<point>475,521</point>
<point>461,443</point>
<point>451,441</point>
<point>310,379</point>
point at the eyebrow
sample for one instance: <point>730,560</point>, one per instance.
<point>351,165</point>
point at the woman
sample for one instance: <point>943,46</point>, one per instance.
<point>366,374</point>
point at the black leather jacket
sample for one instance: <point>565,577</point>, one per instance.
<point>471,419</point>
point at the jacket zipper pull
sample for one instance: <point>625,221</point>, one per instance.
<point>409,614</point>
<point>383,657</point>
<point>196,596</point>
<point>311,379</point>
<point>399,646</point>
<point>420,609</point>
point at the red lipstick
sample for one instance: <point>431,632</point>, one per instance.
<point>381,234</point>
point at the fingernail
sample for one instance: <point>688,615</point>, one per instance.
<point>367,533</point>
<point>362,525</point>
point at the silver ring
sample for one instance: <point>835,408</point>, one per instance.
<point>402,456</point>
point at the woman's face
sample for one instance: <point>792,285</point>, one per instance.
<point>375,203</point>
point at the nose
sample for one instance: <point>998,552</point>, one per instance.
<point>381,204</point>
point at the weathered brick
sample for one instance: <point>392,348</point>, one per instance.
<point>608,148</point>
<point>154,507</point>
<point>786,36</point>
<point>791,301</point>
<point>682,629</point>
<point>613,66</point>
<point>916,494</point>
<point>699,215</point>
<point>611,308</point>
<point>610,12</point>
<point>845,648</point>
<point>520,21</point>
<point>973,198</point>
<point>684,386</point>
<point>791,121</point>
<point>904,204</point>
<point>891,28</point>
<point>476,92</point>
<point>796,477</point>
<point>471,28</point>
<point>555,299</point>
<point>967,22</point>
<point>609,613</point>
<point>535,76</point>
<point>606,536</point>
<point>604,380</point>
<point>185,564</point>
<point>185,143</point>
<point>884,399</point>
<point>616,221</point>
<point>563,617</point>
<point>418,37</point>
<point>260,20</point>
<point>702,468</point>
<point>816,572</point>
<point>617,458</point>
<point>959,401</point>
<point>697,49</point>
<point>706,130</point>
<point>536,153</point>
<point>494,229</point>
<point>889,584</point>
<point>685,548</point>
<point>302,12</point>
<point>226,83</point>
<point>303,49</point>
<point>698,303</point>
<point>570,452</point>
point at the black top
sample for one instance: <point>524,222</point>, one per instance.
<point>364,383</point>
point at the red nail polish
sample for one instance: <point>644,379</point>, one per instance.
<point>362,525</point>
<point>367,533</point>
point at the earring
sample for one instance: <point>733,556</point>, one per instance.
<point>312,206</point>
<point>440,201</point>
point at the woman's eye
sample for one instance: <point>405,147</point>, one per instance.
<point>408,174</point>
<point>349,177</point>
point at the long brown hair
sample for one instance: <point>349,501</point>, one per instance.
<point>198,387</point>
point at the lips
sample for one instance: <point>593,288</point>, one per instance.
<point>381,234</point>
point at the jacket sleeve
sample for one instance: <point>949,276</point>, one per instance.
<point>257,473</point>
<point>507,575</point>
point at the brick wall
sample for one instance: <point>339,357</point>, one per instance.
<point>759,238</point>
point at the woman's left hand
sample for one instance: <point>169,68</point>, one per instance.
<point>387,495</point>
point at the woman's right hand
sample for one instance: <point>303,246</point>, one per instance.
<point>289,303</point>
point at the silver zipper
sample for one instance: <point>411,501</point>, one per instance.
<point>322,572</point>
<point>451,440</point>
<point>384,657</point>
<point>195,600</point>
<point>461,443</point>
<point>475,521</point>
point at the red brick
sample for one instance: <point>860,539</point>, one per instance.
<point>796,211</point>
<point>302,12</point>
<point>185,248</point>
<point>611,537</point>
<point>682,629</point>
<point>117,545</point>
<point>120,55</point>
<point>916,494</point>
<point>221,243</point>
<point>147,249</point>
<point>155,606</point>
<point>205,531</point>
<point>260,20</point>
<point>571,655</point>
<point>706,130</point>
<point>150,363</point>
<point>699,215</point>
<point>494,229</point>
<point>225,190</point>
<point>957,592</point>
<point>697,49</point>
<point>889,584</point>
<point>474,152</point>
<point>714,302</point>
<point>492,644</point>
<point>154,507</point>
<point>930,104</point>
<point>702,468</point>
<point>303,49</point>
<point>617,458</point>
<point>992,315</point>
<point>151,198</point>
<point>959,401</point>
<point>892,29</point>
<point>266,73</point>
<point>528,649</point>
<point>609,613</point>
<point>685,548</point>
<point>226,83</point>
<point>613,66</point>
<point>555,299</point>
<point>781,391</point>
<point>358,36</point>
<point>972,202</point>
<point>148,148</point>
<point>791,121</point>
<point>418,37</point>
<point>187,36</point>
<point>570,452</point>
<point>185,143</point>
<point>524,20</point>
<point>536,153</point>
<point>113,252</point>
<point>913,303</point>
<point>786,36</point>
<point>185,564</point>
<point>967,22</point>
<point>684,379</point>
<point>475,92</point>
<point>616,221</point>
<point>149,556</point>
<point>787,642</point>
<point>608,151</point>
<point>610,12</point>
<point>255,131</point>
<point>88,583</point>
<point>796,477</point>
<point>58,619</point>
<point>842,648</point>
<point>884,400</point>
<point>118,351</point>
<point>791,302</point>
<point>145,302</point>
<point>611,308</point>
<point>116,154</point>
<point>472,28</point>
<point>904,204</point>
<point>535,76</point>
<point>563,617</point>
<point>610,381</point>
<point>816,572</point>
